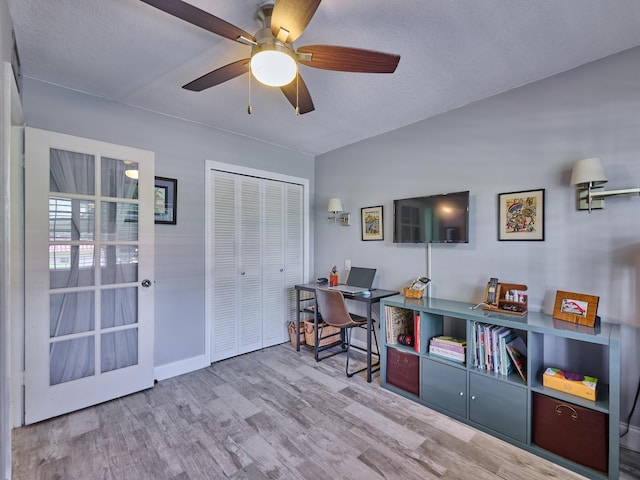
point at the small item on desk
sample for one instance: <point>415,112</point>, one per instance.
<point>333,277</point>
<point>322,280</point>
<point>366,293</point>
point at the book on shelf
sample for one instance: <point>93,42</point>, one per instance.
<point>517,351</point>
<point>451,340</point>
<point>480,354</point>
<point>495,346</point>
<point>489,350</point>
<point>506,365</point>
<point>448,354</point>
<point>447,346</point>
<point>488,357</point>
<point>399,321</point>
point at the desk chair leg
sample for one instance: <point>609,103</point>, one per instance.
<point>348,333</point>
<point>375,337</point>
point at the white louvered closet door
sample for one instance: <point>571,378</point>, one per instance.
<point>222,267</point>
<point>249,260</point>
<point>273,300</point>
<point>293,247</point>
<point>255,257</point>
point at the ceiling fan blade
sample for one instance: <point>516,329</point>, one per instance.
<point>298,94</point>
<point>200,18</point>
<point>219,76</point>
<point>346,59</point>
<point>292,16</point>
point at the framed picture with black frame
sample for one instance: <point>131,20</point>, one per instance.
<point>165,201</point>
<point>372,228</point>
<point>521,215</point>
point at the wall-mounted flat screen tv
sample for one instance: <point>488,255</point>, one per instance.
<point>432,219</point>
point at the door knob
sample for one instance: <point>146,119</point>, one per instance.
<point>146,283</point>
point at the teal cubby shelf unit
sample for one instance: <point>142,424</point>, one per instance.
<point>506,406</point>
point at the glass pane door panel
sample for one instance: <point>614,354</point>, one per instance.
<point>71,172</point>
<point>119,306</point>
<point>119,349</point>
<point>71,219</point>
<point>71,313</point>
<point>71,359</point>
<point>71,266</point>
<point>119,264</point>
<point>119,178</point>
<point>119,221</point>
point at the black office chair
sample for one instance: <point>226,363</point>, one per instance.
<point>333,309</point>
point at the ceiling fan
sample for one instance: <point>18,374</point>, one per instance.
<point>274,59</point>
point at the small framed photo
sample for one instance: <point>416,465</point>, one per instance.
<point>165,201</point>
<point>576,308</point>
<point>521,215</point>
<point>372,227</point>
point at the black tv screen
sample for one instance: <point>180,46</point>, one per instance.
<point>432,219</point>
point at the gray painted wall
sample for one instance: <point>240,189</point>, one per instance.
<point>523,139</point>
<point>181,149</point>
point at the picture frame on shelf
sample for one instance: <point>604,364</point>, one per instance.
<point>372,223</point>
<point>521,215</point>
<point>165,201</point>
<point>576,308</point>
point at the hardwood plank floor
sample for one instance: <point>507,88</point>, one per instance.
<point>271,414</point>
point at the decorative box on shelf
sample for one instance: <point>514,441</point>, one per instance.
<point>572,383</point>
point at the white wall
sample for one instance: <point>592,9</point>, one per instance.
<point>524,139</point>
<point>181,149</point>
<point>6,29</point>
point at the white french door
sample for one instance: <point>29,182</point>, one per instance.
<point>88,272</point>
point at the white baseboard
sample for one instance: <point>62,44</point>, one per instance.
<point>162,372</point>
<point>632,439</point>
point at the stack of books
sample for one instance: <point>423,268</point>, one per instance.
<point>498,349</point>
<point>448,347</point>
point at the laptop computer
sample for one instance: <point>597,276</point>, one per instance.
<point>359,280</point>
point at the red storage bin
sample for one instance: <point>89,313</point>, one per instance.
<point>403,370</point>
<point>576,433</point>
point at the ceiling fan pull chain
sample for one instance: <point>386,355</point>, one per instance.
<point>297,103</point>
<point>249,109</point>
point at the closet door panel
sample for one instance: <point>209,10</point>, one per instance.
<point>274,311</point>
<point>250,260</point>
<point>223,264</point>
<point>293,246</point>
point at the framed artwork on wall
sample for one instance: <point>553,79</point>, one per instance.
<point>165,201</point>
<point>521,215</point>
<point>372,227</point>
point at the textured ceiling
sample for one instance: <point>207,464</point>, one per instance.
<point>453,52</point>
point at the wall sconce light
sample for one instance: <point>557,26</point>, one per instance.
<point>588,174</point>
<point>335,207</point>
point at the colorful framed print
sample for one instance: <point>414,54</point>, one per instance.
<point>521,215</point>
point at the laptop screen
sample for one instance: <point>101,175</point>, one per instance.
<point>361,277</point>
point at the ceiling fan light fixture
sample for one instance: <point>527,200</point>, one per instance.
<point>273,65</point>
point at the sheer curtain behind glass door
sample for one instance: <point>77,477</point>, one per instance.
<point>76,244</point>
